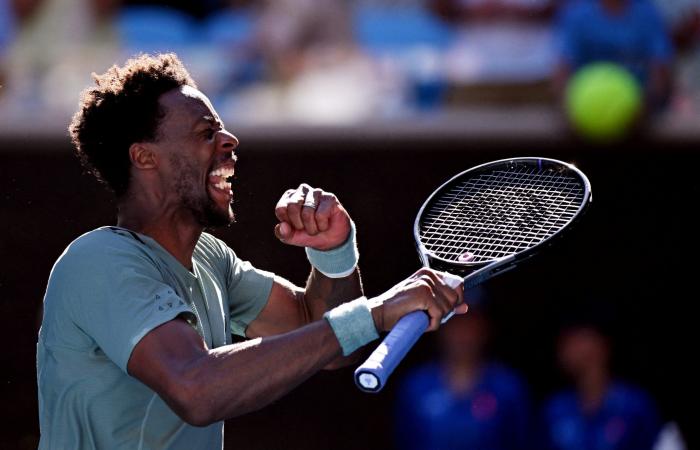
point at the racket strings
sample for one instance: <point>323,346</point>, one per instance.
<point>500,213</point>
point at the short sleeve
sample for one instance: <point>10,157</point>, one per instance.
<point>249,290</point>
<point>117,295</point>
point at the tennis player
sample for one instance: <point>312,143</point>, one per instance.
<point>135,349</point>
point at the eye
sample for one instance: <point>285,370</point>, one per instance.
<point>210,133</point>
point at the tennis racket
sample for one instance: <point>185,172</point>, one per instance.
<point>479,224</point>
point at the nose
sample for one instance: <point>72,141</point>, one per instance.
<point>227,141</point>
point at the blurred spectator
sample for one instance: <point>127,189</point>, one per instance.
<point>599,413</point>
<point>463,401</point>
<point>58,44</point>
<point>627,32</point>
<point>407,44</point>
<point>7,27</point>
<point>291,31</point>
<point>682,18</point>
<point>314,71</point>
<point>504,50</point>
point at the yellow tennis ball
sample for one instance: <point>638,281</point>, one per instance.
<point>603,100</point>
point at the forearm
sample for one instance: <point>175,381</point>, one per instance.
<point>323,294</point>
<point>236,379</point>
<point>262,370</point>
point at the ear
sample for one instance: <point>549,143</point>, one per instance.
<point>142,156</point>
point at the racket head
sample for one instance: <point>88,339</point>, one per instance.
<point>507,208</point>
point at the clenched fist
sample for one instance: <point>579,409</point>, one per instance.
<point>310,217</point>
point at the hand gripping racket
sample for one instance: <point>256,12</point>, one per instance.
<point>481,223</point>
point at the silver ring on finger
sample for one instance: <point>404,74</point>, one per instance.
<point>310,200</point>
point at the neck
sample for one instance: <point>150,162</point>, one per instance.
<point>174,229</point>
<point>592,387</point>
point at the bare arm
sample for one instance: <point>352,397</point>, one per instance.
<point>204,385</point>
<point>290,307</point>
<point>314,218</point>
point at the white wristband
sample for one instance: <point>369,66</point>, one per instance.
<point>338,262</point>
<point>352,324</point>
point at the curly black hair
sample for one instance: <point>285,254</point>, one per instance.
<point>120,110</point>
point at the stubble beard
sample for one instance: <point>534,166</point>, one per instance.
<point>202,207</point>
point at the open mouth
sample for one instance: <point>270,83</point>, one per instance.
<point>220,179</point>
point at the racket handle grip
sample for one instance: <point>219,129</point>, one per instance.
<point>372,375</point>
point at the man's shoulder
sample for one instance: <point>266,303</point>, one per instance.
<point>98,246</point>
<point>212,247</point>
<point>99,237</point>
<point>89,265</point>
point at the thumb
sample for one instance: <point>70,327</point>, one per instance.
<point>283,231</point>
<point>288,235</point>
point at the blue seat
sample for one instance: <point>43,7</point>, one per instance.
<point>390,29</point>
<point>229,27</point>
<point>155,29</point>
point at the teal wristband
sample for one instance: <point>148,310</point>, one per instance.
<point>338,262</point>
<point>352,324</point>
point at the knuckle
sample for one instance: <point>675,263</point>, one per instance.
<point>281,213</point>
<point>424,288</point>
<point>427,279</point>
<point>420,283</point>
<point>424,271</point>
<point>307,213</point>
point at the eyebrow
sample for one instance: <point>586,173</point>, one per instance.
<point>211,120</point>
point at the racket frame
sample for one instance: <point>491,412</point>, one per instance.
<point>498,265</point>
<point>474,273</point>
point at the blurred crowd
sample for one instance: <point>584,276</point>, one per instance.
<point>467,399</point>
<point>340,62</point>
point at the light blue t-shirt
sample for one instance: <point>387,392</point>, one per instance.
<point>107,290</point>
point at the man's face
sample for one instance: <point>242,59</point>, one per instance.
<point>197,156</point>
<point>464,337</point>
<point>582,349</point>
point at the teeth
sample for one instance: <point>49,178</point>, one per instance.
<point>224,186</point>
<point>223,172</point>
